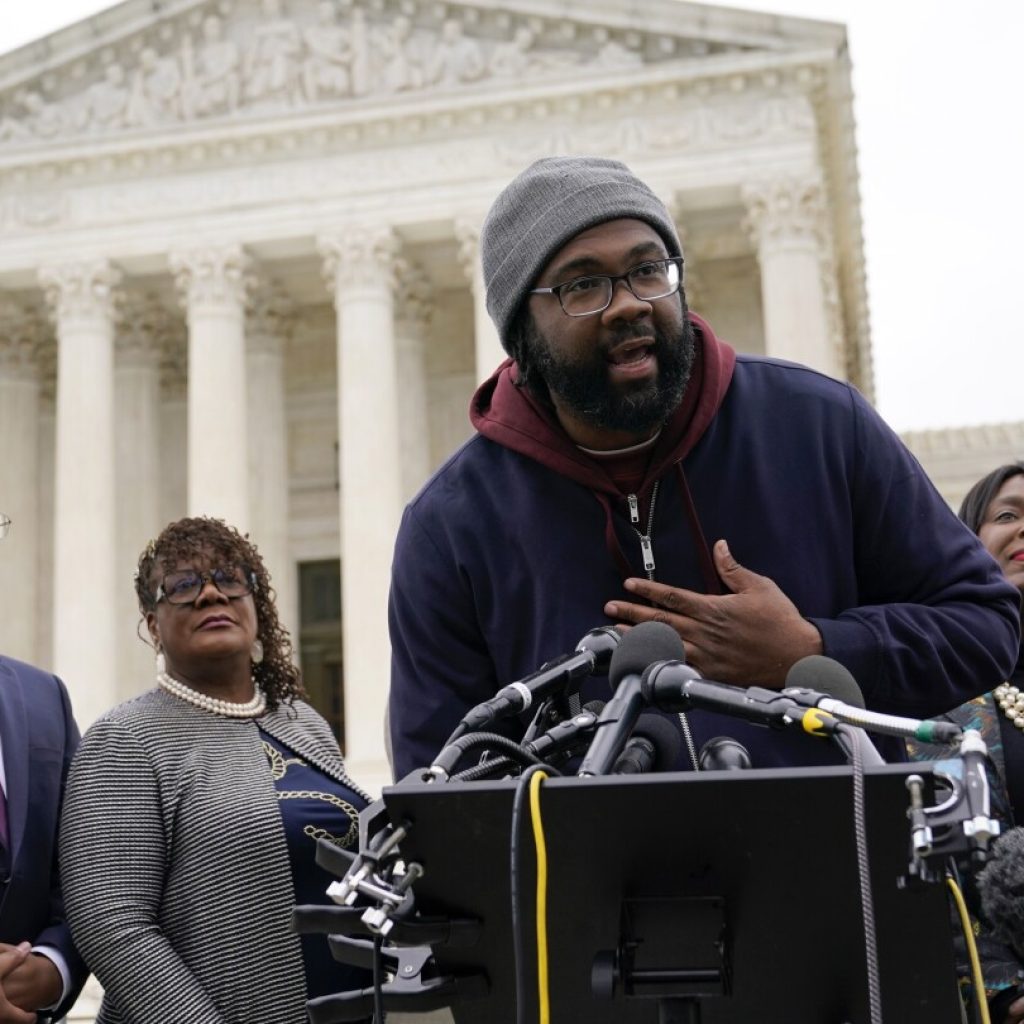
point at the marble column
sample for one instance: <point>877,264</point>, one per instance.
<point>138,345</point>
<point>213,283</point>
<point>487,345</point>
<point>787,222</point>
<point>20,331</point>
<point>81,296</point>
<point>359,264</point>
<point>267,329</point>
<point>412,318</point>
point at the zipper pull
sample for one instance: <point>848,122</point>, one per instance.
<point>648,552</point>
<point>634,508</point>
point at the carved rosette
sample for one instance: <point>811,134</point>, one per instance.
<point>359,257</point>
<point>270,319</point>
<point>22,331</point>
<point>81,292</point>
<point>212,278</point>
<point>785,213</point>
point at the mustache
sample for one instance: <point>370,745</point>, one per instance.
<point>634,332</point>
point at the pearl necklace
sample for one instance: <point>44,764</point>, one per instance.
<point>231,709</point>
<point>1011,700</point>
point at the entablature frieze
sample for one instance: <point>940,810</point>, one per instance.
<point>342,172</point>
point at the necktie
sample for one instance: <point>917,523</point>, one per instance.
<point>4,835</point>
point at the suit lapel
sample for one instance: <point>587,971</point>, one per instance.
<point>14,735</point>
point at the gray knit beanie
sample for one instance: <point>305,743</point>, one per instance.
<point>552,201</point>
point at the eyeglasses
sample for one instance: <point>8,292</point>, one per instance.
<point>5,525</point>
<point>185,587</point>
<point>585,296</point>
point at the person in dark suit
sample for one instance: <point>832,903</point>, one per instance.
<point>40,971</point>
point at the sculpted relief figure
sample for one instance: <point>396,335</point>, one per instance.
<point>106,101</point>
<point>327,69</point>
<point>41,120</point>
<point>615,55</point>
<point>456,58</point>
<point>212,73</point>
<point>517,57</point>
<point>156,90</point>
<point>273,64</point>
<point>401,66</point>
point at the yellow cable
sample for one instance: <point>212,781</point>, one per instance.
<point>972,952</point>
<point>543,995</point>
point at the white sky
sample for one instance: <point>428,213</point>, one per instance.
<point>938,91</point>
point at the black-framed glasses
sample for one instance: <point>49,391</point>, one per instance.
<point>184,587</point>
<point>5,525</point>
<point>585,296</point>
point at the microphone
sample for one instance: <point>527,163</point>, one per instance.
<point>592,656</point>
<point>644,643</point>
<point>1000,885</point>
<point>566,738</point>
<point>655,746</point>
<point>675,686</point>
<point>841,690</point>
<point>836,679</point>
<point>723,753</point>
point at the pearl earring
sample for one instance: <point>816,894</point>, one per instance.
<point>161,663</point>
<point>257,652</point>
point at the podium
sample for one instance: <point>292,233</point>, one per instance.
<point>719,897</point>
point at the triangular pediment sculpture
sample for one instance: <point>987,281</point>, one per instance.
<point>193,63</point>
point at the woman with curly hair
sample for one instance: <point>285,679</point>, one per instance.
<point>192,812</point>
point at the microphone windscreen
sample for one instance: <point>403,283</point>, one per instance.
<point>644,643</point>
<point>816,672</point>
<point>665,736</point>
<point>1001,886</point>
<point>723,753</point>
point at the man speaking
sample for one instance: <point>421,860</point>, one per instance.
<point>630,466</point>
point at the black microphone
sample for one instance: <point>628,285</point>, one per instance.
<point>568,737</point>
<point>835,679</point>
<point>723,753</point>
<point>675,686</point>
<point>840,690</point>
<point>654,746</point>
<point>592,656</point>
<point>1000,885</point>
<point>644,643</point>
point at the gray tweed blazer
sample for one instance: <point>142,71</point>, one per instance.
<point>175,869</point>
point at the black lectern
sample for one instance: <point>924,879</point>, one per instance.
<point>732,893</point>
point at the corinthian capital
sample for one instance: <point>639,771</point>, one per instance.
<point>359,256</point>
<point>785,211</point>
<point>270,318</point>
<point>467,234</point>
<point>413,305</point>
<point>211,275</point>
<point>145,328</point>
<point>22,332</point>
<point>83,290</point>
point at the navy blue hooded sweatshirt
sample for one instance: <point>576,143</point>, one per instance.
<point>511,550</point>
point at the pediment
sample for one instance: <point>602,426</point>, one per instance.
<point>131,70</point>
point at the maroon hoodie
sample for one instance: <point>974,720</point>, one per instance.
<point>512,417</point>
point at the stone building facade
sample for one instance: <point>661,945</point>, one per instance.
<point>239,275</point>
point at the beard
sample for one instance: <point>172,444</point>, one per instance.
<point>582,383</point>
